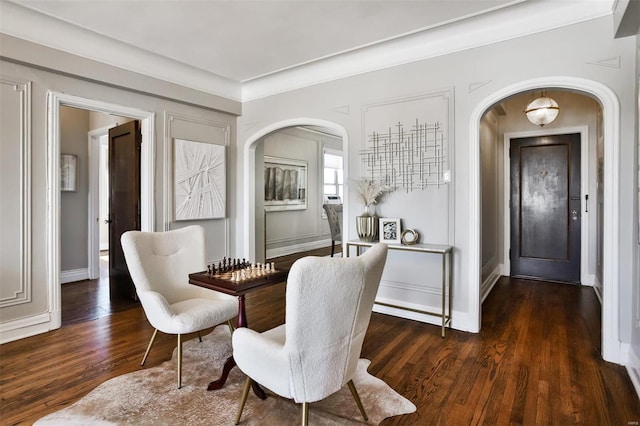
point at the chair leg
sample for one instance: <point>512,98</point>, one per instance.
<point>354,392</point>
<point>333,247</point>
<point>200,336</point>
<point>243,400</point>
<point>179,361</point>
<point>305,413</point>
<point>144,358</point>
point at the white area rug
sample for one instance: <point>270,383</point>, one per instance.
<point>151,397</point>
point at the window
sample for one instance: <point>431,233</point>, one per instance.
<point>333,176</point>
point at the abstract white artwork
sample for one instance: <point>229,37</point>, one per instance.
<point>199,180</point>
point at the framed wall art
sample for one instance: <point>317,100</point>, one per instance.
<point>285,184</point>
<point>68,172</point>
<point>390,231</point>
<point>200,182</point>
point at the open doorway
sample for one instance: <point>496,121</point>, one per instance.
<point>98,197</point>
<point>607,171</point>
<point>63,234</point>
<point>255,219</point>
<point>291,167</point>
<point>85,250</point>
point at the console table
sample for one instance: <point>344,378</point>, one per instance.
<point>447,274</point>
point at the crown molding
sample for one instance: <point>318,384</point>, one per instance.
<point>519,20</point>
<point>36,27</point>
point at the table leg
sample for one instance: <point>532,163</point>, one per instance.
<point>218,384</point>
<point>230,362</point>
<point>444,316</point>
<point>449,284</point>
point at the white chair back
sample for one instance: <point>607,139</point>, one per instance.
<point>328,308</point>
<point>162,261</point>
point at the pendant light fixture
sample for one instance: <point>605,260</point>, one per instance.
<point>542,110</point>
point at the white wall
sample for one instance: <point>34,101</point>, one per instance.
<point>297,230</point>
<point>36,312</point>
<point>74,127</point>
<point>492,167</point>
<point>475,74</point>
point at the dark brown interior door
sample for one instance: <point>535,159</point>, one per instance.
<point>124,202</point>
<point>545,207</point>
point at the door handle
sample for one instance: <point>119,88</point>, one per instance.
<point>574,215</point>
<point>107,221</point>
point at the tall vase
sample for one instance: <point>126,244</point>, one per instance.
<point>367,224</point>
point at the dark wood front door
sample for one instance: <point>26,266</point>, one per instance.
<point>545,207</point>
<point>124,202</point>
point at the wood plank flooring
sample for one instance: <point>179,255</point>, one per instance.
<point>536,361</point>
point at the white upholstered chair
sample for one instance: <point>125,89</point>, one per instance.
<point>315,353</point>
<point>160,264</point>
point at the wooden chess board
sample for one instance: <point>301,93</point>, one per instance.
<point>228,283</point>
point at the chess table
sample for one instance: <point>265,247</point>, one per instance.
<point>225,283</point>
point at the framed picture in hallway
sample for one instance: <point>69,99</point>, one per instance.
<point>68,172</point>
<point>285,184</point>
<point>200,182</point>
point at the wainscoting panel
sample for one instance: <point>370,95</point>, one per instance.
<point>15,211</point>
<point>197,129</point>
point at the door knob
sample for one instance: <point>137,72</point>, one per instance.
<point>107,221</point>
<point>574,215</point>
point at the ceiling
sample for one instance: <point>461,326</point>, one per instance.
<point>244,41</point>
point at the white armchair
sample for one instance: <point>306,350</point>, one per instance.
<point>315,353</point>
<point>160,264</point>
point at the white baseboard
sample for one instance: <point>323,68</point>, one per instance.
<point>459,320</point>
<point>492,279</point>
<point>588,280</point>
<point>597,288</point>
<point>633,368</point>
<point>25,327</point>
<point>297,248</point>
<point>74,275</point>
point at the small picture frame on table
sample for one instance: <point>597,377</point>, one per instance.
<point>390,231</point>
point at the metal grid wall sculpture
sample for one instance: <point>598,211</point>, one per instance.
<point>408,160</point>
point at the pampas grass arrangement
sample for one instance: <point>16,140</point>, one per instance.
<point>369,191</point>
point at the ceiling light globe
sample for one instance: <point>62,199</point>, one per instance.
<point>542,111</point>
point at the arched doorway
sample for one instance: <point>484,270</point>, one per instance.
<point>611,131</point>
<point>249,151</point>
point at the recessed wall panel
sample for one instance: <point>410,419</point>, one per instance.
<point>15,193</point>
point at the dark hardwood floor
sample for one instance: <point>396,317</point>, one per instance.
<point>89,299</point>
<point>536,361</point>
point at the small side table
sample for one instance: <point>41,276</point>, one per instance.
<point>447,274</point>
<point>224,284</point>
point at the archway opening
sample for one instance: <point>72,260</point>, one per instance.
<point>609,105</point>
<point>298,144</point>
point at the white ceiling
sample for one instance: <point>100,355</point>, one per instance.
<point>242,40</point>
<point>245,41</point>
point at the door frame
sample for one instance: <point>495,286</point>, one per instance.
<point>611,344</point>
<point>93,243</point>
<point>585,277</point>
<point>54,101</point>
